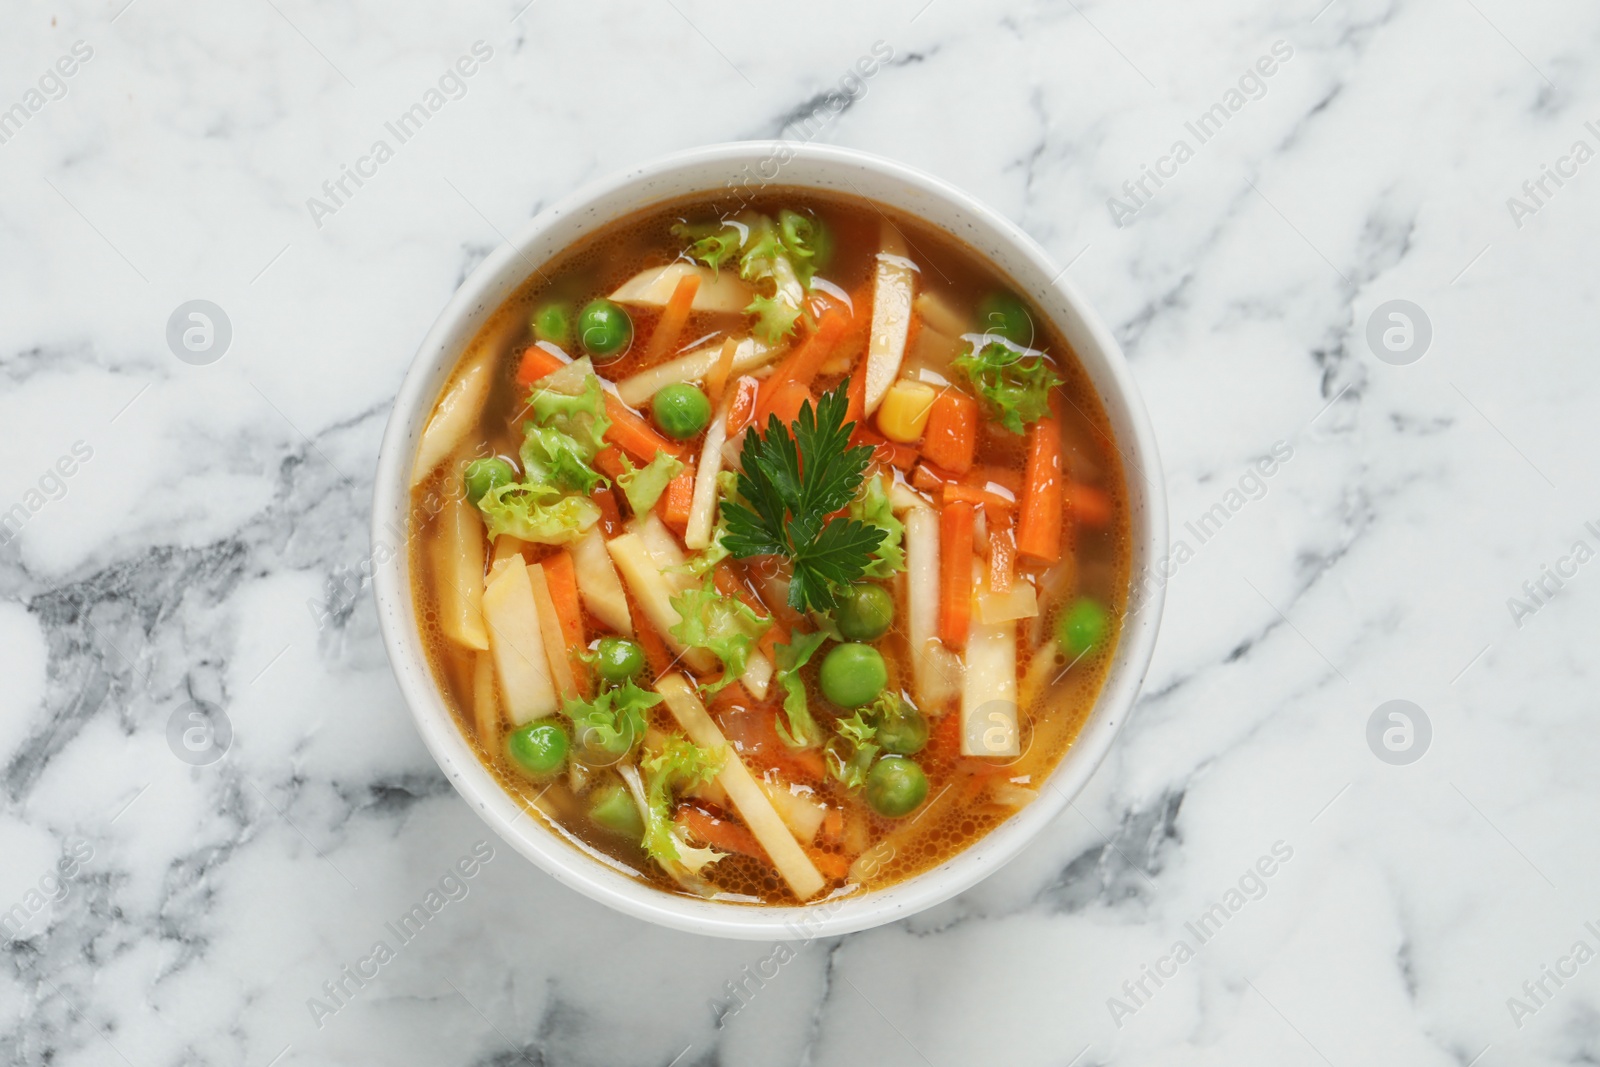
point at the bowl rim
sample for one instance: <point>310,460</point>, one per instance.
<point>483,291</point>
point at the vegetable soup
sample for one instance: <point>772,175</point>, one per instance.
<point>769,550</point>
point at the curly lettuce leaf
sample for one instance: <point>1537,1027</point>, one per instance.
<point>801,730</point>
<point>643,486</point>
<point>851,751</point>
<point>711,242</point>
<point>538,513</point>
<point>679,765</point>
<point>610,724</point>
<point>871,507</point>
<point>561,440</point>
<point>1014,386</point>
<point>724,625</point>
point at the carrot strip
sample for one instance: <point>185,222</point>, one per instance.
<point>955,573</point>
<point>896,455</point>
<point>785,402</point>
<point>562,579</point>
<point>610,516</point>
<point>1039,524</point>
<point>1089,505</point>
<point>717,832</point>
<point>979,497</point>
<point>830,865</point>
<point>650,639</point>
<point>676,502</point>
<point>628,431</point>
<point>664,338</point>
<point>801,365</point>
<point>1002,558</point>
<point>608,461</point>
<point>951,437</point>
<point>717,380</point>
<point>742,412</point>
<point>856,393</point>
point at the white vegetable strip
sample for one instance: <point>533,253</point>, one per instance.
<point>933,668</point>
<point>703,506</point>
<point>747,796</point>
<point>654,594</point>
<point>719,290</point>
<point>518,646</point>
<point>891,315</point>
<point>989,691</point>
<point>598,583</point>
<point>938,315</point>
<point>1020,602</point>
<point>757,676</point>
<point>458,573</point>
<point>485,701</point>
<point>455,417</point>
<point>751,353</point>
<point>802,815</point>
<point>555,641</point>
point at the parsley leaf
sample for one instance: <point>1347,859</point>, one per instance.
<point>1014,388</point>
<point>788,486</point>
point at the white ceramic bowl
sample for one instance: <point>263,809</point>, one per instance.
<point>710,170</point>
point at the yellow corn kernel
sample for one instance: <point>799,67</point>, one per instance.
<point>905,410</point>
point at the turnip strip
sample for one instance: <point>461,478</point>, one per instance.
<point>1018,602</point>
<point>518,646</point>
<point>456,415</point>
<point>668,555</point>
<point>654,593</point>
<point>703,506</point>
<point>934,670</point>
<point>719,290</point>
<point>598,583</point>
<point>747,796</point>
<point>891,315</point>
<point>458,573</point>
<point>750,354</point>
<point>989,691</point>
<point>555,642</point>
<point>485,701</point>
<point>802,815</point>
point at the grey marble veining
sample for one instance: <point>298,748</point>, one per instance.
<point>1430,536</point>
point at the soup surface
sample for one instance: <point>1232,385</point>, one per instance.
<point>769,549</point>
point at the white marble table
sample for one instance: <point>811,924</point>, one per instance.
<point>185,534</point>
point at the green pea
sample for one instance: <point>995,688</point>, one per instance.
<point>865,612</point>
<point>553,323</point>
<point>604,329</point>
<point>902,730</point>
<point>853,675</point>
<point>896,786</point>
<point>681,411</point>
<point>613,808</point>
<point>1082,627</point>
<point>619,659</point>
<point>1006,315</point>
<point>538,749</point>
<point>483,475</point>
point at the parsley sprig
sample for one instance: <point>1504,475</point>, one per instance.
<point>789,486</point>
